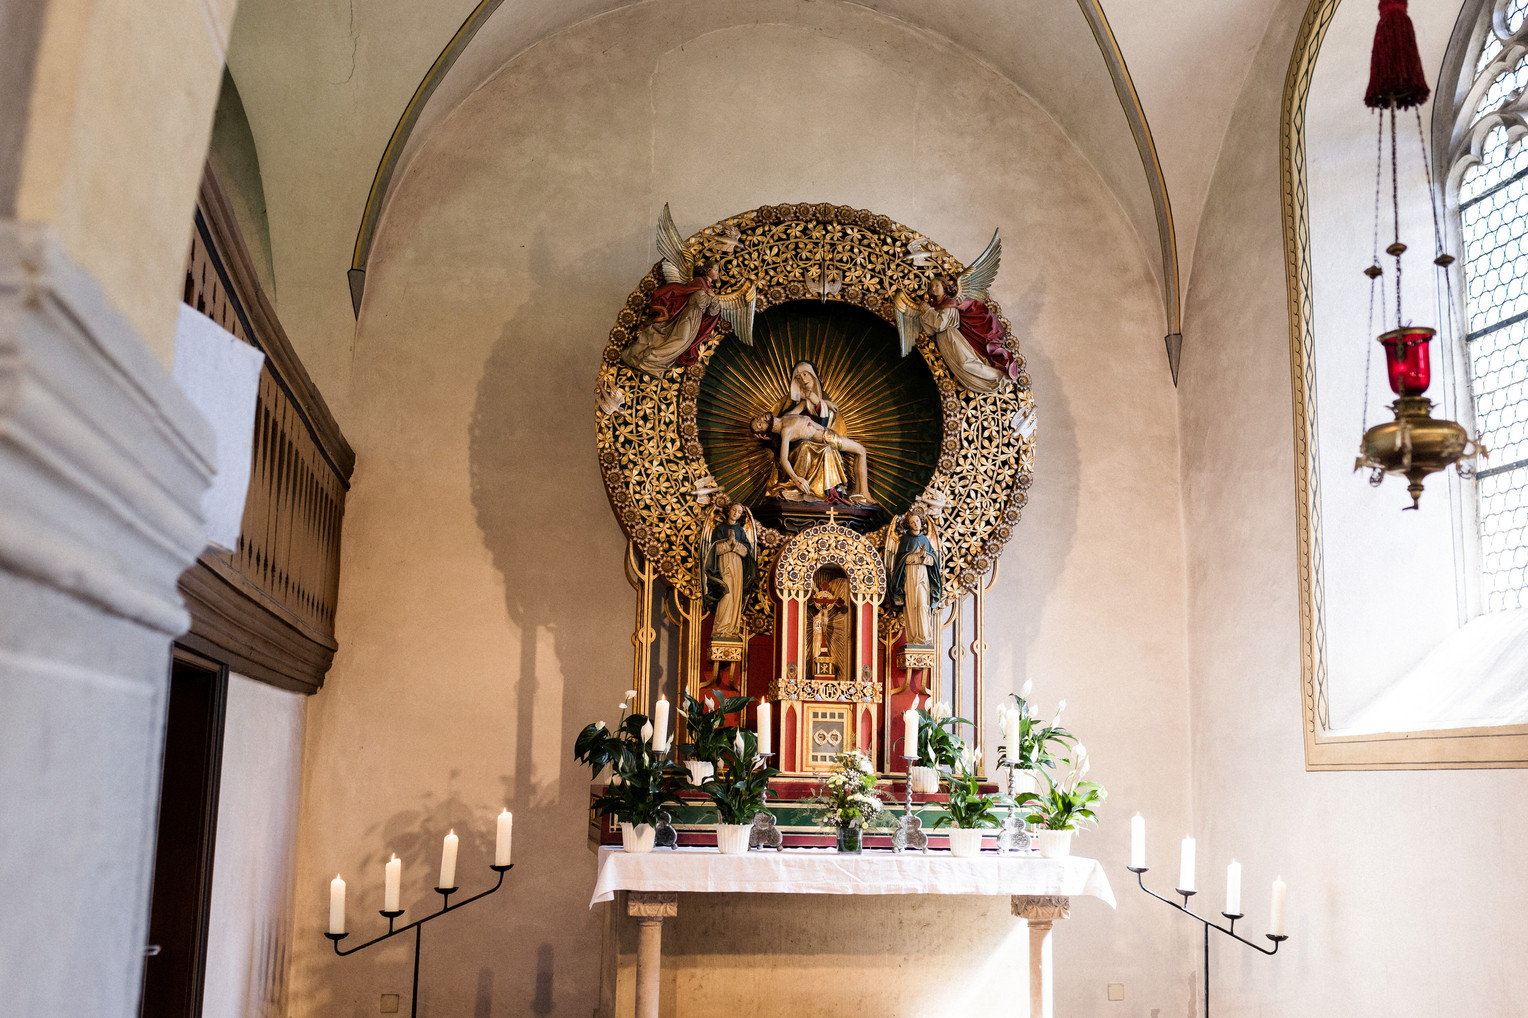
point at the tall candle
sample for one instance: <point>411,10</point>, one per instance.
<point>501,846</point>
<point>1186,867</point>
<point>1012,723</point>
<point>448,860</point>
<point>1233,888</point>
<point>336,905</point>
<point>390,887</point>
<point>660,723</point>
<point>910,723</point>
<point>1276,907</point>
<point>766,736</point>
<point>1138,842</point>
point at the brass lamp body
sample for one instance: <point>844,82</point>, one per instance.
<point>1413,445</point>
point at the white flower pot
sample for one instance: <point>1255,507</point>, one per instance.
<point>966,842</point>
<point>1055,844</point>
<point>1023,782</point>
<point>732,839</point>
<point>923,779</point>
<point>637,837</point>
<point>699,770</point>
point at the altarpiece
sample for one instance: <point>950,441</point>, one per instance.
<point>816,430</point>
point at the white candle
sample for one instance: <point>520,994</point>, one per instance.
<point>390,887</point>
<point>660,723</point>
<point>1186,867</point>
<point>766,736</point>
<point>1138,842</point>
<point>1276,907</point>
<point>501,846</point>
<point>910,722</point>
<point>1233,888</point>
<point>1012,720</point>
<point>336,905</point>
<point>448,860</point>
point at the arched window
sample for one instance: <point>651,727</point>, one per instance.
<point>1486,169</point>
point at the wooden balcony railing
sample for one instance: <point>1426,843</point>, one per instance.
<point>268,608</point>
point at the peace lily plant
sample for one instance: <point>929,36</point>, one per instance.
<point>939,746</point>
<point>738,788</point>
<point>708,732</point>
<point>968,811</point>
<point>1066,805</point>
<point>1029,744</point>
<point>642,779</point>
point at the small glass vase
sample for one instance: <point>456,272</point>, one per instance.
<point>851,839</point>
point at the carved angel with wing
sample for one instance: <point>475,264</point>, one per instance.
<point>913,579</point>
<point>729,553</point>
<point>685,308</point>
<point>968,335</point>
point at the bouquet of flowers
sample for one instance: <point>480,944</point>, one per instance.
<point>849,796</point>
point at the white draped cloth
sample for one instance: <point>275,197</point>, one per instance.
<point>828,871</point>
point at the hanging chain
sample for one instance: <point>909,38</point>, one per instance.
<point>1395,203</point>
<point>1374,272</point>
<point>1443,259</point>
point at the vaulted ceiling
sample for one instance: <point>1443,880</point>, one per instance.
<point>325,84</point>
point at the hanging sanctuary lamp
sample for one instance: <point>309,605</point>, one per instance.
<point>1415,443</point>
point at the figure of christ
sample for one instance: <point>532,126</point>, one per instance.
<point>796,428</point>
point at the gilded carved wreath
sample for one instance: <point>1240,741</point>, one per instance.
<point>652,455</point>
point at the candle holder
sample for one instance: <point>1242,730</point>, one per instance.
<point>909,828</point>
<point>1209,924</point>
<point>418,927</point>
<point>764,833</point>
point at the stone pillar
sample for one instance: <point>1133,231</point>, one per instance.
<point>1040,911</point>
<point>102,467</point>
<point>650,908</point>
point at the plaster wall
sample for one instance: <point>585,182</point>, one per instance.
<point>113,147</point>
<point>250,929</point>
<point>1403,886</point>
<point>484,616</point>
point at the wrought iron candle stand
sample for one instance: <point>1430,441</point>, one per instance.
<point>418,926</point>
<point>1230,931</point>
<point>909,828</point>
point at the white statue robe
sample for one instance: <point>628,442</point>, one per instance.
<point>970,368</point>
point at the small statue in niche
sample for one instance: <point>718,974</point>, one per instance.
<point>685,308</point>
<point>970,338</point>
<point>825,605</point>
<point>730,556</point>
<point>810,465</point>
<point>913,580</point>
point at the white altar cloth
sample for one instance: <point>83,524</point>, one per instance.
<point>828,871</point>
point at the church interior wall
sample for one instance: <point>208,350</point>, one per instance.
<point>484,616</point>
<point>1402,884</point>
<point>249,934</point>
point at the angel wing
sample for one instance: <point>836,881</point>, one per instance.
<point>707,539</point>
<point>909,322</point>
<point>737,308</point>
<point>931,531</point>
<point>676,267</point>
<point>751,528</point>
<point>973,283</point>
<point>889,548</point>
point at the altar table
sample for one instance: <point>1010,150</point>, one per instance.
<point>1040,891</point>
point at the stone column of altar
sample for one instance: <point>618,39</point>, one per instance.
<point>650,908</point>
<point>1040,911</point>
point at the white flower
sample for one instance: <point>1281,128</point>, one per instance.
<point>631,694</point>
<point>737,743</point>
<point>599,726</point>
<point>977,756</point>
<point>1087,765</point>
<point>1024,689</point>
<point>615,779</point>
<point>1082,751</point>
<point>647,731</point>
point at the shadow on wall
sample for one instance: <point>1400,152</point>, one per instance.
<point>545,520</point>
<point>1036,555</point>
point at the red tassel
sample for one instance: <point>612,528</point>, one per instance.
<point>1395,69</point>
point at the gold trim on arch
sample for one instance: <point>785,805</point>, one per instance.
<point>1506,746</point>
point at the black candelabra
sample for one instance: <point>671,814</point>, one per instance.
<point>1229,930</point>
<point>418,927</point>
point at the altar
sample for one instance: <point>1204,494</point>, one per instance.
<point>1040,892</point>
